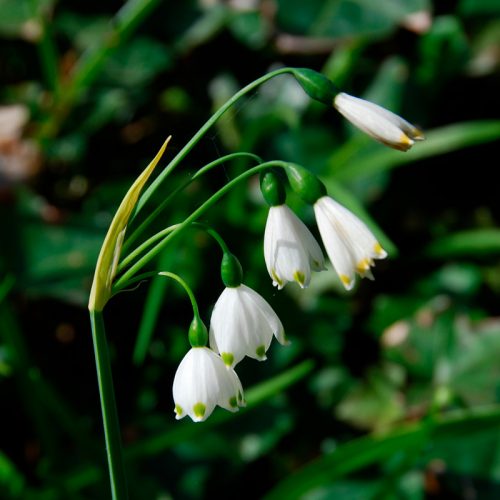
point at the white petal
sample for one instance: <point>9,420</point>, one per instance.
<point>267,313</point>
<point>378,122</point>
<point>195,387</point>
<point>336,248</point>
<point>349,243</point>
<point>202,382</point>
<point>227,327</point>
<point>243,324</point>
<point>290,250</point>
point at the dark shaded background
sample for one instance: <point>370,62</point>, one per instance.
<point>419,343</point>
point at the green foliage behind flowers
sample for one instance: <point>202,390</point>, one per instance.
<point>389,391</point>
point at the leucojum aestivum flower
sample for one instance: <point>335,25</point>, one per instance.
<point>243,324</point>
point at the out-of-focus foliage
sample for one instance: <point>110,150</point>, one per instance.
<point>391,391</point>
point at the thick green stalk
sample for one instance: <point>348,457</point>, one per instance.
<point>108,408</point>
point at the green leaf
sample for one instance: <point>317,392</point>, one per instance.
<point>362,452</point>
<point>473,243</point>
<point>12,482</point>
<point>479,7</point>
<point>345,163</point>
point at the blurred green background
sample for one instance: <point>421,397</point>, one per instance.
<point>391,391</point>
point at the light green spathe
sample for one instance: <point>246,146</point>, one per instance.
<point>109,255</point>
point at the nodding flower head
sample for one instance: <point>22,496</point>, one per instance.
<point>350,245</point>
<point>201,382</point>
<point>383,125</point>
<point>290,250</point>
<point>243,324</point>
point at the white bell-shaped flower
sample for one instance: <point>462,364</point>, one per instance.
<point>378,122</point>
<point>290,250</point>
<point>201,382</point>
<point>350,245</point>
<point>243,324</point>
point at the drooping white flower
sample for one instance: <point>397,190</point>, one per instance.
<point>201,382</point>
<point>378,122</point>
<point>350,245</point>
<point>290,250</point>
<point>243,324</point>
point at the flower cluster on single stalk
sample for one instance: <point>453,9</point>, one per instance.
<point>242,322</point>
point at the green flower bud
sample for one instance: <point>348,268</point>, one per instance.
<point>305,184</point>
<point>231,271</point>
<point>198,334</point>
<point>316,85</point>
<point>272,188</point>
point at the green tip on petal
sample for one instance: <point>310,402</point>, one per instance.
<point>199,410</point>
<point>300,278</point>
<point>178,410</point>
<point>261,352</point>
<point>233,402</point>
<point>228,358</point>
<point>276,278</point>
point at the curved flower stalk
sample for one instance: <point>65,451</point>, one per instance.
<point>349,243</point>
<point>290,250</point>
<point>378,122</point>
<point>202,382</point>
<point>243,324</point>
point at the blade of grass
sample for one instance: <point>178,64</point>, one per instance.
<point>12,482</point>
<point>368,450</point>
<point>152,306</point>
<point>466,244</point>
<point>438,141</point>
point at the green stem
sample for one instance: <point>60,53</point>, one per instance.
<point>108,408</point>
<point>161,234</point>
<point>124,279</point>
<point>186,287</point>
<point>183,186</point>
<point>143,246</point>
<point>194,140</point>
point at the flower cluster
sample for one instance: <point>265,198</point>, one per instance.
<point>242,322</point>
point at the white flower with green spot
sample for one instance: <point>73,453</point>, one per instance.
<point>201,382</point>
<point>290,250</point>
<point>243,324</point>
<point>378,122</point>
<point>350,245</point>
